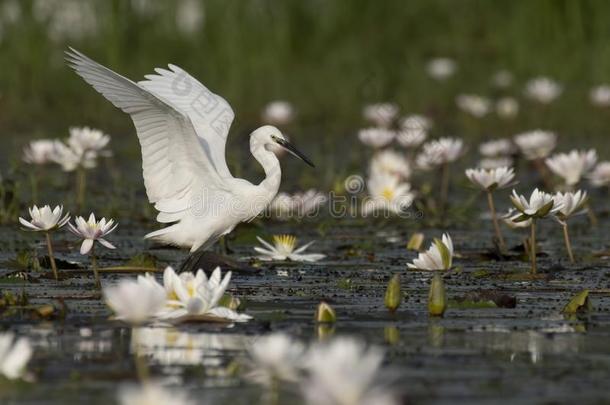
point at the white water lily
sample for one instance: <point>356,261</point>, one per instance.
<point>14,355</point>
<point>136,301</point>
<point>91,231</point>
<point>275,357</point>
<point>71,159</point>
<point>199,295</point>
<point>439,255</point>
<point>571,203</point>
<point>299,205</point>
<point>380,114</point>
<point>284,248</point>
<point>39,152</point>
<point>543,89</point>
<point>151,393</point>
<point>510,218</point>
<point>187,283</point>
<point>278,112</point>
<point>390,162</point>
<point>600,175</point>
<point>491,179</point>
<point>600,95</point>
<point>441,68</point>
<point>502,79</point>
<point>376,137</point>
<point>539,205</point>
<point>507,107</point>
<point>415,122</point>
<point>495,163</point>
<point>440,151</point>
<point>87,139</point>
<point>497,148</point>
<point>572,166</point>
<point>413,131</point>
<point>473,104</point>
<point>344,371</point>
<point>45,219</point>
<point>536,144</point>
<point>387,193</point>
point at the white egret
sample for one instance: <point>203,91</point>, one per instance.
<point>182,128</point>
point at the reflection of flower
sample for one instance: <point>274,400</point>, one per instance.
<point>380,114</point>
<point>344,372</point>
<point>543,89</point>
<point>387,193</point>
<point>536,144</point>
<point>284,248</point>
<point>278,112</point>
<point>275,357</point>
<point>573,165</point>
<point>14,355</point>
<point>376,137</point>
<point>441,68</point>
<point>152,393</point>
<point>439,255</point>
<point>390,162</point>
<point>600,176</point>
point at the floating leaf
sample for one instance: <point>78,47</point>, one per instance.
<point>579,303</point>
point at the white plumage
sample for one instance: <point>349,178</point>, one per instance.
<point>182,128</point>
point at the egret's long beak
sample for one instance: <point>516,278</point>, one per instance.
<point>294,151</point>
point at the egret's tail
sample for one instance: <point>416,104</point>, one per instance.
<point>162,235</point>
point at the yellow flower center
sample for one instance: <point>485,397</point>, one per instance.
<point>388,193</point>
<point>285,242</point>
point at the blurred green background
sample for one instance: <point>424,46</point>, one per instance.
<point>327,57</point>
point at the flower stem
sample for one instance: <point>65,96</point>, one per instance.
<point>51,257</point>
<point>98,283</point>
<point>566,238</point>
<point>591,214</point>
<point>533,247</point>
<point>444,188</point>
<point>494,217</point>
<point>81,184</point>
<point>544,173</point>
<point>139,360</point>
<point>34,185</point>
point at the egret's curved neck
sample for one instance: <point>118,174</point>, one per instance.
<point>271,166</point>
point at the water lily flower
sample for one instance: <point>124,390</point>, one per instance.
<point>88,139</point>
<point>380,114</point>
<point>441,68</point>
<point>413,131</point>
<point>39,152</point>
<point>72,159</point>
<point>278,112</point>
<point>284,248</point>
<point>473,104</point>
<point>390,162</point>
<point>14,355</point>
<point>198,295</point>
<point>600,175</point>
<point>502,79</point>
<point>46,220</point>
<point>344,372</point>
<point>439,255</point>
<point>600,95</point>
<point>497,148</point>
<point>537,144</point>
<point>376,137</point>
<point>512,215</point>
<point>275,357</point>
<point>543,89</point>
<point>495,163</point>
<point>299,205</point>
<point>438,152</point>
<point>151,393</point>
<point>539,206</point>
<point>571,204</point>
<point>415,122</point>
<point>387,193</point>
<point>573,165</point>
<point>507,107</point>
<point>136,301</point>
<point>91,231</point>
<point>489,180</point>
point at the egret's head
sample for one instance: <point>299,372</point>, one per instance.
<point>271,137</point>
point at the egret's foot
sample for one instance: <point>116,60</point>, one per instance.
<point>208,261</point>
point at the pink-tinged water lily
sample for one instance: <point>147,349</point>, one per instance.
<point>136,301</point>
<point>91,231</point>
<point>45,219</point>
<point>14,355</point>
<point>572,166</point>
<point>284,248</point>
<point>438,257</point>
<point>491,179</point>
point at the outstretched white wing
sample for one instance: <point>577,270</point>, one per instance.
<point>175,166</point>
<point>211,114</point>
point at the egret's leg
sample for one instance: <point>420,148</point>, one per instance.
<point>224,245</point>
<point>191,262</point>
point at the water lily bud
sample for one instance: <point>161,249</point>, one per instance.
<point>437,302</point>
<point>579,303</point>
<point>416,241</point>
<point>325,313</point>
<point>393,295</point>
<point>391,335</point>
